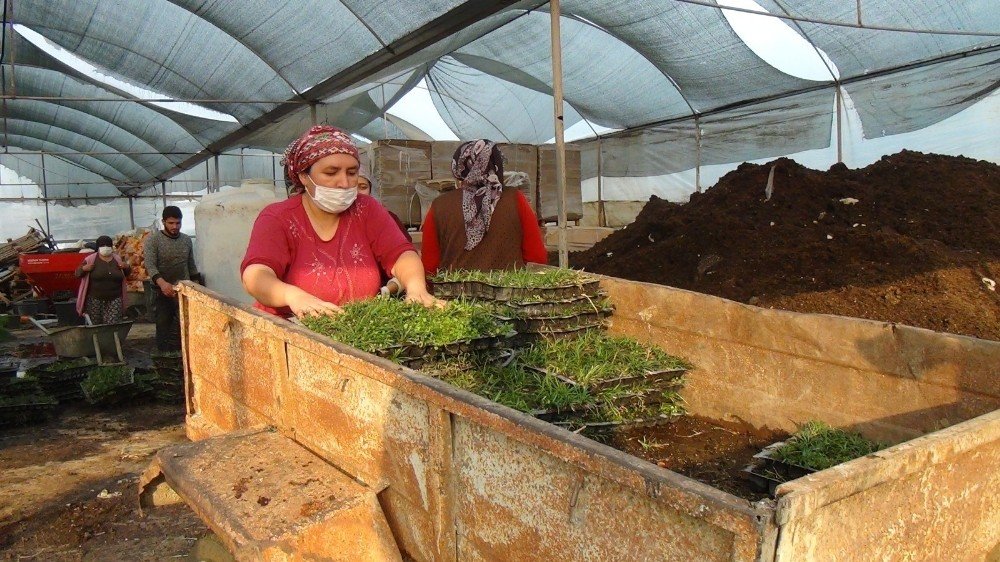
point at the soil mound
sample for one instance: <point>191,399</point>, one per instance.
<point>908,239</point>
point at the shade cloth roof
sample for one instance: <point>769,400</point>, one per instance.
<point>647,67</point>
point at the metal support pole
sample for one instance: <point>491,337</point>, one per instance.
<point>131,211</point>
<point>45,196</point>
<point>215,173</point>
<point>840,120</point>
<point>312,113</point>
<point>697,161</point>
<point>163,189</point>
<point>557,100</point>
<point>602,219</point>
<point>243,169</point>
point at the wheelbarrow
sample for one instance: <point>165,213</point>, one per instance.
<point>100,340</point>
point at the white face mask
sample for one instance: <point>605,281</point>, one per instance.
<point>105,251</point>
<point>333,199</point>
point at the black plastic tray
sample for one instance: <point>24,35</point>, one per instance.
<point>486,291</point>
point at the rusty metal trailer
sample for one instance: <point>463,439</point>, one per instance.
<point>307,449</point>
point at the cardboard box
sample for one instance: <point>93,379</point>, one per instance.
<point>548,195</point>
<point>441,155</point>
<point>397,165</point>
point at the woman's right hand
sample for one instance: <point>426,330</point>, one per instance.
<point>304,304</point>
<point>88,267</point>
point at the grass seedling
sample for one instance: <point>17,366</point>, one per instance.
<point>595,356</point>
<point>511,385</point>
<point>382,323</point>
<point>521,278</point>
<point>818,446</point>
<point>648,443</point>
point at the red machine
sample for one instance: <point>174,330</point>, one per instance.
<point>49,274</point>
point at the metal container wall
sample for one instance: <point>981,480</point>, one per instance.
<point>468,479</point>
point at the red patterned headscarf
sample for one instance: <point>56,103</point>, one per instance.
<point>478,165</point>
<point>319,141</point>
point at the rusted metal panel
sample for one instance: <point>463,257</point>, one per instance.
<point>368,428</point>
<point>270,499</point>
<point>934,498</point>
<point>788,367</point>
<point>517,503</point>
<point>237,359</point>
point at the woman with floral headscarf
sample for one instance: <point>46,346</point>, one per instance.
<point>326,245</point>
<point>480,225</point>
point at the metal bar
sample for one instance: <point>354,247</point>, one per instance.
<point>602,219</point>
<point>163,186</point>
<point>131,210</point>
<point>697,156</point>
<point>156,100</point>
<point>215,174</point>
<point>45,194</point>
<point>93,198</point>
<point>712,4</point>
<point>312,114</point>
<point>840,118</point>
<point>557,106</point>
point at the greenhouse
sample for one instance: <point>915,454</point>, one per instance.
<point>753,314</point>
<point>669,93</point>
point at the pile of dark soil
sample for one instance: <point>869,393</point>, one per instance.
<point>908,239</point>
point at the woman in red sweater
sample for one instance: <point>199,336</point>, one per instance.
<point>480,225</point>
<point>326,245</point>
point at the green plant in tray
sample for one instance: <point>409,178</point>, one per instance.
<point>511,385</point>
<point>818,446</point>
<point>381,323</point>
<point>596,356</point>
<point>524,278</point>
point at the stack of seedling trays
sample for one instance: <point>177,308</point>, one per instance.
<point>410,333</point>
<point>61,379</point>
<point>629,383</point>
<point>112,385</point>
<point>531,340</point>
<point>594,381</point>
<point>23,402</point>
<point>549,302</point>
<point>168,383</point>
<point>815,446</point>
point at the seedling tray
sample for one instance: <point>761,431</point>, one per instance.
<point>659,380</point>
<point>545,308</point>
<point>411,352</point>
<point>558,324</point>
<point>486,291</point>
<point>780,469</point>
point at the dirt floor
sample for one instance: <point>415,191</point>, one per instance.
<point>68,487</point>
<point>707,450</point>
<point>913,238</point>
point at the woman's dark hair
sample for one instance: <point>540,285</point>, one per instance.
<point>171,212</point>
<point>104,241</point>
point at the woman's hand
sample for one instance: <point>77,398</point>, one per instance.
<point>304,304</point>
<point>88,267</point>
<point>425,298</point>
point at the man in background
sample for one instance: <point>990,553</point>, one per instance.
<point>169,258</point>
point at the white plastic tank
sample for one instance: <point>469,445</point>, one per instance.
<point>223,221</point>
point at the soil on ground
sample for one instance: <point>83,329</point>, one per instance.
<point>69,486</point>
<point>913,239</point>
<point>710,451</point>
